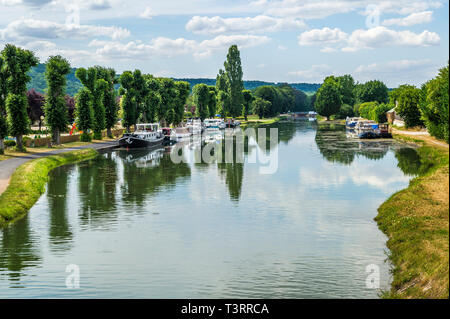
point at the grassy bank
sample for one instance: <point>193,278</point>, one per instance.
<point>255,120</point>
<point>28,183</point>
<point>416,221</point>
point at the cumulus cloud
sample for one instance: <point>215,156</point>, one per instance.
<point>384,37</point>
<point>377,37</point>
<point>147,14</point>
<point>412,19</point>
<point>322,36</point>
<point>261,23</point>
<point>167,47</point>
<point>42,29</point>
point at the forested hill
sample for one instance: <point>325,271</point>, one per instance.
<point>73,84</point>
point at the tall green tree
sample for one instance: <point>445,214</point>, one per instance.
<point>17,63</point>
<point>168,95</point>
<point>97,86</point>
<point>248,99</point>
<point>55,107</point>
<point>3,94</point>
<point>83,112</point>
<point>109,97</point>
<point>328,100</point>
<point>201,98</point>
<point>223,103</point>
<point>435,105</point>
<point>128,101</point>
<point>346,85</point>
<point>260,106</point>
<point>233,69</point>
<point>372,91</point>
<point>408,105</point>
<point>152,99</point>
<point>183,90</point>
<point>212,102</point>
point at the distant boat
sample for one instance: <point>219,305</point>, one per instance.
<point>146,135</point>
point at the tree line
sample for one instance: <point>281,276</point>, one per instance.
<point>427,106</point>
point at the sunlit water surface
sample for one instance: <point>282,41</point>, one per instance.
<point>138,225</point>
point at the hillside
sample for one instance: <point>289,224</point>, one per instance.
<point>73,84</point>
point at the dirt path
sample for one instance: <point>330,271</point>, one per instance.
<point>7,167</point>
<point>422,135</point>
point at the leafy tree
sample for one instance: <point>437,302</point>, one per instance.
<point>17,62</point>
<point>84,112</point>
<point>248,98</point>
<point>140,91</point>
<point>223,101</point>
<point>55,105</point>
<point>372,91</point>
<point>233,69</point>
<point>346,85</point>
<point>434,105</point>
<point>90,78</point>
<point>128,102</point>
<point>70,103</point>
<point>260,106</point>
<point>365,109</point>
<point>201,97</point>
<point>328,101</point>
<point>286,96</point>
<point>408,105</point>
<point>212,102</point>
<point>168,95</point>
<point>3,94</point>
<point>36,102</point>
<point>108,97</point>
<point>345,111</point>
<point>301,102</point>
<point>269,93</point>
<point>152,100</point>
<point>182,89</point>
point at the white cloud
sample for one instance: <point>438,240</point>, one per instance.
<point>167,47</point>
<point>148,13</point>
<point>383,37</point>
<point>412,19</point>
<point>316,73</point>
<point>373,38</point>
<point>281,48</point>
<point>218,25</point>
<point>42,29</point>
<point>321,36</point>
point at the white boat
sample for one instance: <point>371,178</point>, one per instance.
<point>195,127</point>
<point>211,123</point>
<point>146,135</point>
<point>181,133</point>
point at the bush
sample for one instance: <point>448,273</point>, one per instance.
<point>85,137</point>
<point>379,113</point>
<point>365,109</point>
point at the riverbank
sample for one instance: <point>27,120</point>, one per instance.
<point>28,183</point>
<point>416,221</point>
<point>255,120</point>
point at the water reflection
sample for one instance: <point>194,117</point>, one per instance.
<point>18,251</point>
<point>226,230</point>
<point>59,229</point>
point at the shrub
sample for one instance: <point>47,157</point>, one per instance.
<point>365,109</point>
<point>9,143</point>
<point>379,113</point>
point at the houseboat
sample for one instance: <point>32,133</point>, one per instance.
<point>146,135</point>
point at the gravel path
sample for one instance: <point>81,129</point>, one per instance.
<point>7,167</point>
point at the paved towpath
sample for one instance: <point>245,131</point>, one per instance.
<point>421,134</point>
<point>7,167</point>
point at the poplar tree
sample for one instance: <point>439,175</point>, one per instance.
<point>182,90</point>
<point>233,69</point>
<point>109,97</point>
<point>128,101</point>
<point>3,94</point>
<point>83,113</point>
<point>17,62</point>
<point>152,100</point>
<point>55,108</point>
<point>212,102</point>
<point>168,95</point>
<point>201,98</point>
<point>96,86</point>
<point>248,98</point>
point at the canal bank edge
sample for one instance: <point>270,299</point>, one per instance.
<point>416,221</point>
<point>28,182</point>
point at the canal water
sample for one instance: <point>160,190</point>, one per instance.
<point>135,224</point>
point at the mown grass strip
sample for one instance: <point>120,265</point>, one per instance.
<point>27,183</point>
<point>416,220</point>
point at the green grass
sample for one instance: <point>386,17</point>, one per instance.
<point>255,120</point>
<point>416,220</point>
<point>27,183</point>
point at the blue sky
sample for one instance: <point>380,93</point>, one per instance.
<point>280,40</point>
